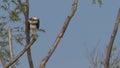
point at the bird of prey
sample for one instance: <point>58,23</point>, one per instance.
<point>33,25</point>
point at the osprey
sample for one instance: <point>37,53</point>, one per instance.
<point>33,25</point>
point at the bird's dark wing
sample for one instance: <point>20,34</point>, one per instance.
<point>38,24</point>
<point>28,25</point>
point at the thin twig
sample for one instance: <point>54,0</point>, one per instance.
<point>10,45</point>
<point>21,6</point>
<point>21,53</point>
<point>2,60</point>
<point>113,35</point>
<point>60,35</point>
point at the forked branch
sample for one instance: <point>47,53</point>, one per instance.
<point>60,35</point>
<point>21,53</point>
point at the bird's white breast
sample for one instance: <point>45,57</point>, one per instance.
<point>33,29</point>
<point>32,26</point>
<point>33,22</point>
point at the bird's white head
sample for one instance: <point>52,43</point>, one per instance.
<point>33,20</point>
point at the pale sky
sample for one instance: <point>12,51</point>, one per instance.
<point>90,27</point>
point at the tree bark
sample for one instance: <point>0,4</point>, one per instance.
<point>109,47</point>
<point>60,35</point>
<point>27,32</point>
<point>28,39</point>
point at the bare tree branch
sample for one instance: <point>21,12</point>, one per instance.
<point>27,32</point>
<point>109,47</point>
<point>10,46</point>
<point>21,53</point>
<point>2,60</point>
<point>60,35</point>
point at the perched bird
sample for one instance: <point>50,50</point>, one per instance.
<point>33,25</point>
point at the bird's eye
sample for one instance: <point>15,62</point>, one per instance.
<point>31,19</point>
<point>34,19</point>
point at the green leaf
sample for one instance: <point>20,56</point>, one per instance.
<point>102,62</point>
<point>117,66</point>
<point>5,0</point>
<point>14,16</point>
<point>1,43</point>
<point>114,48</point>
<point>24,5</point>
<point>100,2</point>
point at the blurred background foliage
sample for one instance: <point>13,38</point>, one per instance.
<point>100,2</point>
<point>10,15</point>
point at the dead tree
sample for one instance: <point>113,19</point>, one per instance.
<point>60,35</point>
